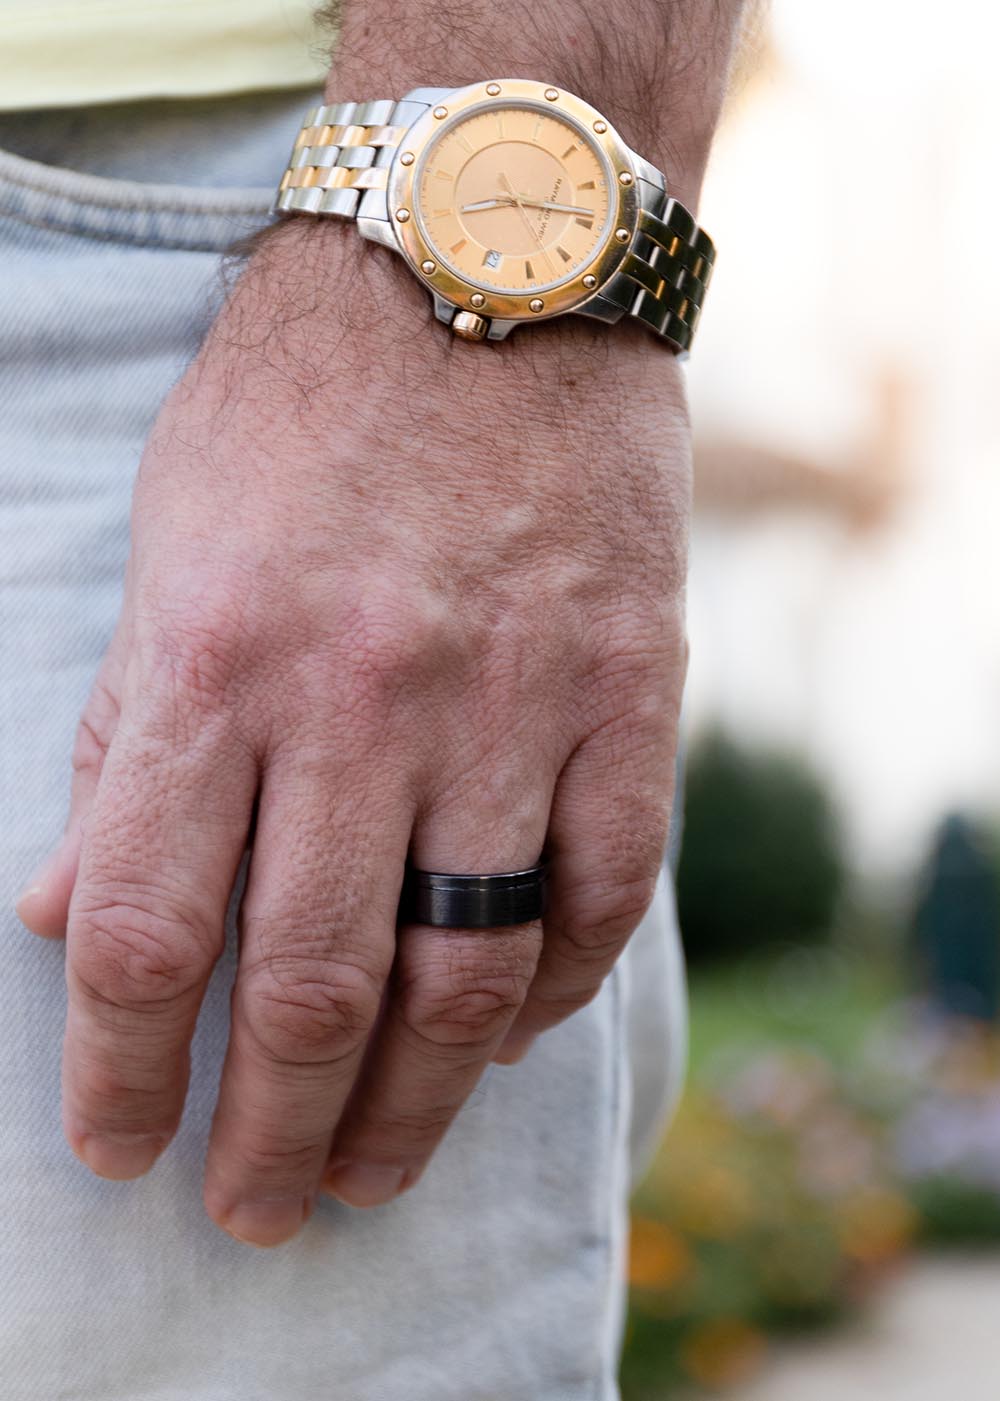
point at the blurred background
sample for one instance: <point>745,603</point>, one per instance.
<point>823,1218</point>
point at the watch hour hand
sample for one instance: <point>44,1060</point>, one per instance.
<point>500,202</point>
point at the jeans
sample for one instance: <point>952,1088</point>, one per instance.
<point>500,1276</point>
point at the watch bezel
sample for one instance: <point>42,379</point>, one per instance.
<point>505,305</point>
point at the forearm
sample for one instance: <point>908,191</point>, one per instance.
<point>657,68</point>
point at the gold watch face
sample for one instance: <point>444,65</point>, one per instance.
<point>513,198</point>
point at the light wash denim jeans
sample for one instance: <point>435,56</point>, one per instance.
<point>500,1277</point>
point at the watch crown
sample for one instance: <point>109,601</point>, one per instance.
<point>469,327</point>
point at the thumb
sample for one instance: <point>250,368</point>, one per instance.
<point>43,904</point>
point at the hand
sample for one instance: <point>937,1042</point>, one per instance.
<point>397,593</point>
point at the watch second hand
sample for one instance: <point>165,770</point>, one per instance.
<point>520,208</point>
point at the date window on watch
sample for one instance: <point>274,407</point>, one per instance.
<point>492,260</point>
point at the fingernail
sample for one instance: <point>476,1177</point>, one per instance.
<point>364,1184</point>
<point>35,887</point>
<point>268,1221</point>
<point>22,905</point>
<point>514,1049</point>
<point>121,1156</point>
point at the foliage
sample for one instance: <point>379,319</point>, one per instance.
<point>957,921</point>
<point>801,1168</point>
<point>761,858</point>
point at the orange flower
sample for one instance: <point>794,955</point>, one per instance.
<point>658,1257</point>
<point>724,1352</point>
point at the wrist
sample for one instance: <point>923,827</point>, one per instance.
<point>657,72</point>
<point>336,297</point>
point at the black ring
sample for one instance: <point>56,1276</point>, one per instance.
<point>474,902</point>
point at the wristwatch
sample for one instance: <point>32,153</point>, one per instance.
<point>511,201</point>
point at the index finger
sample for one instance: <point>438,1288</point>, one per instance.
<point>146,925</point>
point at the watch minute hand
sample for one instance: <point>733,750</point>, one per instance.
<point>557,208</point>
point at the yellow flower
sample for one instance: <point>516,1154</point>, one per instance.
<point>714,1205</point>
<point>875,1225</point>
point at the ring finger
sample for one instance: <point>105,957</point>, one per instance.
<point>453,994</point>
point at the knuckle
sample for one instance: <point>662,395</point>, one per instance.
<point>559,1005</point>
<point>94,731</point>
<point>127,953</point>
<point>310,1010</point>
<point>394,633</point>
<point>133,1098</point>
<point>637,655</point>
<point>605,915</point>
<point>393,1129</point>
<point>269,1158</point>
<point>198,639</point>
<point>464,1010</point>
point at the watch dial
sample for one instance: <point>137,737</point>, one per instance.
<point>513,198</point>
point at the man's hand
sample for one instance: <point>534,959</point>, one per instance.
<point>388,594</point>
<point>403,593</point>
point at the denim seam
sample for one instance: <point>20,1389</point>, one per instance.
<point>132,240</point>
<point>132,203</point>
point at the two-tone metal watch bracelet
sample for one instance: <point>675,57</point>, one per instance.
<point>340,167</point>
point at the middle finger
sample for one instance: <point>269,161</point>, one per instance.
<point>318,929</point>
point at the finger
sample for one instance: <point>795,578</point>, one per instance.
<point>164,839</point>
<point>453,994</point>
<point>43,905</point>
<point>318,933</point>
<point>607,835</point>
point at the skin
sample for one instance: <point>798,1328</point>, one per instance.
<point>388,593</point>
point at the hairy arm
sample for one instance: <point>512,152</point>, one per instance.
<point>393,594</point>
<point>657,68</point>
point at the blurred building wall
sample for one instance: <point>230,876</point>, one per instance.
<point>845,586</point>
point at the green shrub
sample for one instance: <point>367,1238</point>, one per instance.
<point>761,859</point>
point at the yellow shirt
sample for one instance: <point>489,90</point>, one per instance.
<point>66,53</point>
